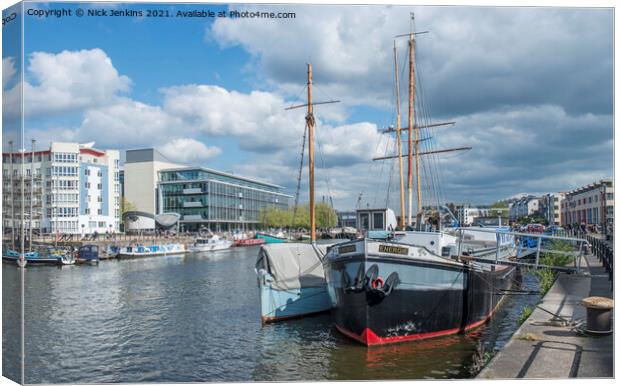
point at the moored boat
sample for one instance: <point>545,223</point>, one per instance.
<point>424,282</point>
<point>413,287</point>
<point>211,243</point>
<point>152,250</point>
<point>88,254</point>
<point>271,239</point>
<point>249,242</point>
<point>291,281</point>
<point>36,258</point>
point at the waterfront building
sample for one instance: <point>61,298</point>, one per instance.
<point>140,178</point>
<point>523,207</point>
<point>550,208</point>
<point>590,204</point>
<point>71,188</point>
<point>210,199</point>
<point>467,215</point>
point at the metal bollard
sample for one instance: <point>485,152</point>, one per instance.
<point>598,314</point>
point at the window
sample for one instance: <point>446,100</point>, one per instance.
<point>377,221</point>
<point>99,211</point>
<point>609,196</point>
<point>99,186</point>
<point>101,224</point>
<point>590,200</point>
<point>364,219</point>
<point>87,211</point>
<point>99,173</point>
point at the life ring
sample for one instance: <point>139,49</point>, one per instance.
<point>376,282</point>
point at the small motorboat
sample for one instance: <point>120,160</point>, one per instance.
<point>34,257</point>
<point>88,254</point>
<point>63,257</point>
<point>210,243</point>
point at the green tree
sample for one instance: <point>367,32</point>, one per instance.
<point>302,217</point>
<point>127,206</point>
<point>326,216</point>
<point>274,217</point>
<point>501,209</point>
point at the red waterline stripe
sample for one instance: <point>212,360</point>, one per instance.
<point>369,338</point>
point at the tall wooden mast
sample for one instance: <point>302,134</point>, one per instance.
<point>410,133</point>
<point>398,143</point>
<point>310,123</point>
<point>417,132</point>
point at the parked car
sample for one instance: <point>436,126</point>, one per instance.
<point>535,228</point>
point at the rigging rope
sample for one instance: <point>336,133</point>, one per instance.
<point>301,166</point>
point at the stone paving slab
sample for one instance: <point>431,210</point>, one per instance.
<point>542,350</point>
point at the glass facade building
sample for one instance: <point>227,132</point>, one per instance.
<point>207,198</point>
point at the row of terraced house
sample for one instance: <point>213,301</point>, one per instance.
<point>592,204</point>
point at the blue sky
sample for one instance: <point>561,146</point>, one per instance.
<point>530,89</point>
<point>152,52</point>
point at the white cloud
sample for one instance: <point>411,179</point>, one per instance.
<point>189,151</point>
<point>8,71</point>
<point>71,81</point>
<point>257,118</point>
<point>475,58</point>
<point>130,123</point>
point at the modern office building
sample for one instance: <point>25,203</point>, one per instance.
<point>68,187</point>
<point>140,178</point>
<point>210,199</point>
<point>590,204</point>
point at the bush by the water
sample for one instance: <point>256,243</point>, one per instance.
<point>547,276</point>
<point>525,313</point>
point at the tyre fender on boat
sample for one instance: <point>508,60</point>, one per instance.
<point>376,288</point>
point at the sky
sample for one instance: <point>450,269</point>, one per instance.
<point>530,90</point>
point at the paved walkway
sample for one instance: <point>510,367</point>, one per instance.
<point>539,349</point>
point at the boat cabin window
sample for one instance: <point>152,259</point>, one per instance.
<point>364,221</point>
<point>377,221</point>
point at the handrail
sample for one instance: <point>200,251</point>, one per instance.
<point>539,236</point>
<point>535,235</point>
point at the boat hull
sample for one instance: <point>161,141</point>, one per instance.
<point>35,261</point>
<point>211,247</point>
<point>153,250</point>
<point>278,305</point>
<point>249,242</point>
<point>269,239</point>
<point>431,299</point>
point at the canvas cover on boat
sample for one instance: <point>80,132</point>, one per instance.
<point>293,265</point>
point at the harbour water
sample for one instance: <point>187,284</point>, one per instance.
<point>196,318</point>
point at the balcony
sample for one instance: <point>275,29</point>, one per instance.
<point>192,204</point>
<point>192,191</point>
<point>192,217</point>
